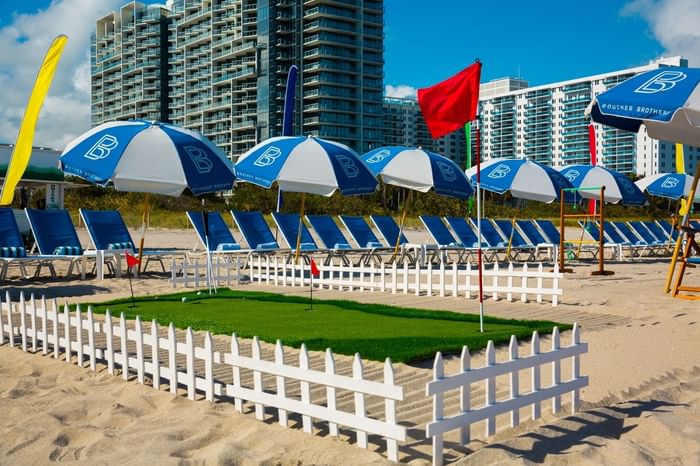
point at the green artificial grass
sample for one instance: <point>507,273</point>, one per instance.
<point>375,331</point>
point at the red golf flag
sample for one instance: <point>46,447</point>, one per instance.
<point>449,105</point>
<point>314,270</point>
<point>131,260</point>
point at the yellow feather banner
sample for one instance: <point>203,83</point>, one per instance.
<point>23,147</point>
<point>680,160</point>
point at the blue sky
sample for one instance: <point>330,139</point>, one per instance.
<point>552,41</point>
<point>543,41</point>
<point>546,40</point>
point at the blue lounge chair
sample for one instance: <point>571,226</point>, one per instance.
<point>256,232</point>
<point>217,234</point>
<point>446,243</point>
<point>611,239</point>
<point>288,225</point>
<point>108,232</point>
<point>389,231</point>
<point>654,245</point>
<point>530,231</point>
<point>55,237</point>
<point>467,236</point>
<point>489,234</point>
<point>518,243</point>
<point>12,249</point>
<point>549,231</point>
<point>335,241</point>
<point>668,229</point>
<point>658,232</point>
<point>360,232</point>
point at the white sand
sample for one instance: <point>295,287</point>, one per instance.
<point>642,405</point>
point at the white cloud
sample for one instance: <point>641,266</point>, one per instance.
<point>401,91</point>
<point>24,41</point>
<point>674,24</point>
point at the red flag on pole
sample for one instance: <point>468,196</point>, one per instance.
<point>131,261</point>
<point>450,104</point>
<point>314,270</point>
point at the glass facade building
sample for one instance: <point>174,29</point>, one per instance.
<point>225,65</point>
<point>547,124</point>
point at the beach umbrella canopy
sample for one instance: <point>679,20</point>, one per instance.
<point>618,188</point>
<point>525,179</point>
<point>306,165</point>
<point>418,169</point>
<point>668,185</point>
<point>665,100</point>
<point>148,157</point>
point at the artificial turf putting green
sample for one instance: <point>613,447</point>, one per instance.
<point>375,331</point>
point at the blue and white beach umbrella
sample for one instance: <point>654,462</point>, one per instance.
<point>148,157</point>
<point>665,100</point>
<point>668,185</point>
<point>618,188</point>
<point>525,179</point>
<point>418,169</point>
<point>306,165</point>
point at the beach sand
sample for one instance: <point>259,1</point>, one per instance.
<point>642,405</point>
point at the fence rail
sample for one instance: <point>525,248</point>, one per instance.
<point>225,270</point>
<point>80,338</point>
<point>522,283</point>
<point>464,379</point>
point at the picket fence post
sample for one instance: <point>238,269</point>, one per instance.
<point>438,408</point>
<point>465,395</point>
<point>536,375</point>
<point>307,422</point>
<point>330,391</point>
<point>360,410</point>
<point>281,385</point>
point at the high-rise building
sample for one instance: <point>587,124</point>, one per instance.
<point>129,64</point>
<point>404,126</point>
<point>226,62</point>
<point>547,124</point>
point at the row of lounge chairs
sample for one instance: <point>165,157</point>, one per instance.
<point>56,239</point>
<point>635,237</point>
<point>455,238</point>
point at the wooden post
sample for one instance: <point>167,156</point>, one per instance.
<point>601,238</point>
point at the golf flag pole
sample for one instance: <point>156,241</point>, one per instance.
<point>478,228</point>
<point>314,273</point>
<point>131,262</point>
<point>446,107</point>
<point>22,151</point>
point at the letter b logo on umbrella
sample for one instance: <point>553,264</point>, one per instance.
<point>268,157</point>
<point>447,172</point>
<point>500,171</point>
<point>669,183</point>
<point>200,159</point>
<point>102,148</point>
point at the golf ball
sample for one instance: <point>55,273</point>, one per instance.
<point>184,299</point>
<point>199,293</point>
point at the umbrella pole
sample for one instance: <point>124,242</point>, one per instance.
<point>143,237</point>
<point>401,223</point>
<point>679,239</point>
<point>301,220</point>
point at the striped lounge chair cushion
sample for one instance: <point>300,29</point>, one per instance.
<point>125,245</point>
<point>13,251</point>
<point>228,247</point>
<point>68,251</point>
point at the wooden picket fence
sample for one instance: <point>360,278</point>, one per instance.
<point>509,282</point>
<point>464,379</point>
<point>144,351</point>
<point>226,272</point>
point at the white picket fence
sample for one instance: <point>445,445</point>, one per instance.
<point>81,338</point>
<point>511,283</point>
<point>226,272</point>
<point>464,379</point>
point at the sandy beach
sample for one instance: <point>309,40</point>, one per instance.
<point>642,405</point>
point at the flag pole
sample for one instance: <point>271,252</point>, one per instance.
<point>477,153</point>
